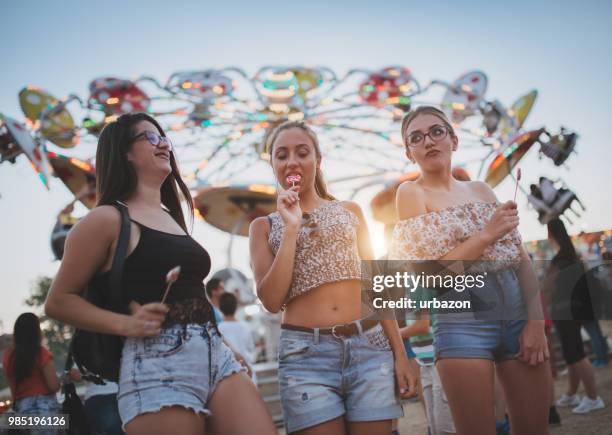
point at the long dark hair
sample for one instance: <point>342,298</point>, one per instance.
<point>116,178</point>
<point>26,339</point>
<point>557,231</point>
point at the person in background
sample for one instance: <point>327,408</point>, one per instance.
<point>100,405</point>
<point>571,305</point>
<point>420,336</point>
<point>214,289</point>
<point>30,371</point>
<point>236,332</point>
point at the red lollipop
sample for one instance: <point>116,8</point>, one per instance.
<point>294,179</point>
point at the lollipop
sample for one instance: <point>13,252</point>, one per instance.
<point>171,278</point>
<point>294,179</point>
<point>518,177</point>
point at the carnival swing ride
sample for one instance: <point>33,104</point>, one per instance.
<point>218,120</point>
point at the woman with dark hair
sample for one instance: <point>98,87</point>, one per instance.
<point>443,218</point>
<point>29,369</point>
<point>570,307</point>
<point>175,367</point>
<point>336,368</point>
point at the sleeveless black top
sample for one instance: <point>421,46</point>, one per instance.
<point>145,269</point>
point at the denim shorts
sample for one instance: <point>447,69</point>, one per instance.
<point>322,377</point>
<point>181,366</point>
<point>491,330</point>
<point>41,405</point>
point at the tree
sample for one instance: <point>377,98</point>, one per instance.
<point>56,334</point>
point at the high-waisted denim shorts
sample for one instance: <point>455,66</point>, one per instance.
<point>181,366</point>
<point>492,328</point>
<point>323,377</point>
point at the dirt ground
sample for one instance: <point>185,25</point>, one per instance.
<point>595,423</point>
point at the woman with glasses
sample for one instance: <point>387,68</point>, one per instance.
<point>336,369</point>
<point>442,218</point>
<point>175,367</point>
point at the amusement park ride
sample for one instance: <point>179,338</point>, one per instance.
<point>219,119</point>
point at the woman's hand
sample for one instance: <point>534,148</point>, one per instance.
<point>504,220</point>
<point>534,349</point>
<point>288,205</point>
<point>145,320</point>
<point>405,377</point>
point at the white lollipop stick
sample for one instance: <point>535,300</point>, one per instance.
<point>171,278</point>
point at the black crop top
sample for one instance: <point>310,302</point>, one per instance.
<point>145,269</point>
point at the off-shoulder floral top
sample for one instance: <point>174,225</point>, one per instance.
<point>432,235</point>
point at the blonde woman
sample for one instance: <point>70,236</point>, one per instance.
<point>336,369</point>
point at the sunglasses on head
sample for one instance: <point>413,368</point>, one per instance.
<point>153,138</point>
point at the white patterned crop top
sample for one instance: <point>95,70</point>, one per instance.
<point>326,249</point>
<point>432,235</point>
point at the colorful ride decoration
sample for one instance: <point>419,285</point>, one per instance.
<point>464,96</point>
<point>15,139</point>
<point>204,85</point>
<point>517,114</point>
<point>219,119</point>
<point>506,161</point>
<point>233,208</point>
<point>77,175</point>
<point>391,86</point>
<point>551,199</point>
<point>48,115</point>
<point>116,96</point>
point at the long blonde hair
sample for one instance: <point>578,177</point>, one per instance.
<point>425,110</point>
<point>320,185</point>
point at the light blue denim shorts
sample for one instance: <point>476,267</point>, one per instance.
<point>41,404</point>
<point>44,404</point>
<point>322,377</point>
<point>181,366</point>
<point>492,329</point>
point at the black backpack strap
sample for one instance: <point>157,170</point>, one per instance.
<point>120,254</point>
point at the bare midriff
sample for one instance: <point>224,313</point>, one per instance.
<point>330,304</point>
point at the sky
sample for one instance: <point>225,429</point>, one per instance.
<point>560,48</point>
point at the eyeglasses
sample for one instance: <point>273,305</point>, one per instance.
<point>154,139</point>
<point>436,133</point>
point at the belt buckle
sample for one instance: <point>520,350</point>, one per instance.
<point>333,331</point>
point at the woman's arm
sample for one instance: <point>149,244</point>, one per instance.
<point>51,380</point>
<point>534,349</point>
<point>87,248</point>
<point>530,287</point>
<point>272,272</point>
